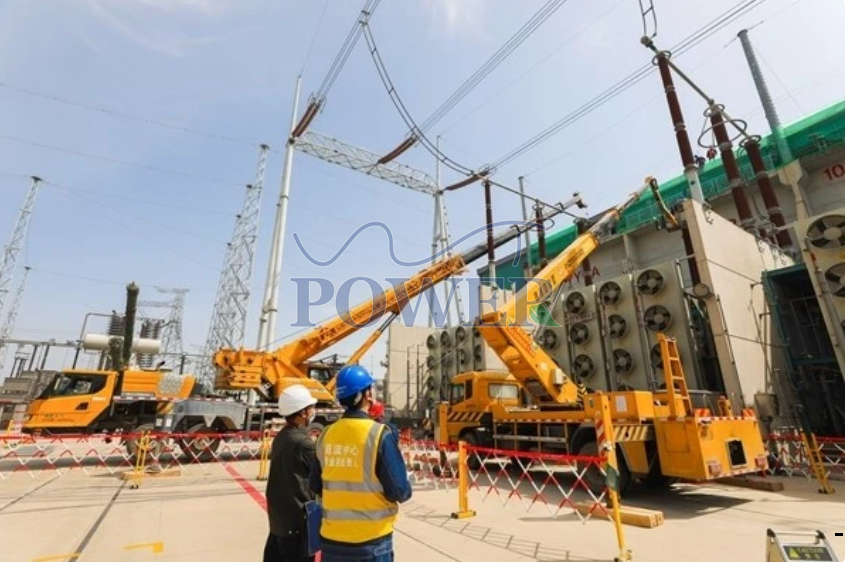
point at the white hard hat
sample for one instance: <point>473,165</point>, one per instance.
<point>293,399</point>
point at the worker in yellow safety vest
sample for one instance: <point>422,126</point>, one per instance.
<point>360,476</point>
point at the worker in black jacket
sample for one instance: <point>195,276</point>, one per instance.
<point>291,458</point>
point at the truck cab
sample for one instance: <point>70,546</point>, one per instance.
<point>81,400</point>
<point>470,397</point>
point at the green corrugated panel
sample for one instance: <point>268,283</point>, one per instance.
<point>815,133</point>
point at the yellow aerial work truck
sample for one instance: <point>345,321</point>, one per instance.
<point>122,400</point>
<point>534,405</point>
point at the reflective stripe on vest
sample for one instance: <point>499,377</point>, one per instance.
<point>355,509</point>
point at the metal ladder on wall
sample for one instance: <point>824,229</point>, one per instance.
<point>673,370</point>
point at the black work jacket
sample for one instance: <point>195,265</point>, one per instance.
<point>291,457</point>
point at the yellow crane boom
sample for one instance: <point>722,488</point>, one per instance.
<point>269,372</point>
<point>503,330</point>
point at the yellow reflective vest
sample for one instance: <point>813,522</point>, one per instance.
<point>355,509</point>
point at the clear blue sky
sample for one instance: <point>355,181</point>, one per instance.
<point>228,68</point>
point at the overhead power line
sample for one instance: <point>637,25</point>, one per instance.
<point>345,50</point>
<point>124,115</point>
<point>518,79</point>
<point>117,161</point>
<point>527,29</point>
<point>630,80</point>
<point>314,36</point>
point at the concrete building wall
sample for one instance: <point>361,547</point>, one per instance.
<point>404,345</point>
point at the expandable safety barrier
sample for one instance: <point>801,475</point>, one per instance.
<point>563,485</point>
<point>557,483</point>
<point>789,456</point>
<point>34,456</point>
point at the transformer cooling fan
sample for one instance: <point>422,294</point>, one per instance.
<point>430,362</point>
<point>447,360</point>
<point>623,362</point>
<point>478,353</point>
<point>827,232</point>
<point>610,293</point>
<point>579,333</point>
<point>460,334</point>
<point>431,342</point>
<point>657,318</point>
<point>617,326</point>
<point>575,303</point>
<point>650,282</point>
<point>462,357</point>
<point>445,339</point>
<point>584,366</point>
<point>549,339</point>
<point>835,277</point>
<point>655,357</point>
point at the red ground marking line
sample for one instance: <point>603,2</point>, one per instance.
<point>251,490</point>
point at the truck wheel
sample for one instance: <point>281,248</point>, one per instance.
<point>655,479</point>
<point>133,444</point>
<point>200,446</point>
<point>593,476</point>
<point>473,460</point>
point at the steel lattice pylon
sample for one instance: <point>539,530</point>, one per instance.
<point>9,326</point>
<point>9,259</point>
<point>343,154</point>
<point>228,319</point>
<point>171,335</point>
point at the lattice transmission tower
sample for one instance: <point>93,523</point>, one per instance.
<point>9,259</point>
<point>171,335</point>
<point>9,326</point>
<point>228,319</point>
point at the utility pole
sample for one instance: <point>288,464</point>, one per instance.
<point>270,304</point>
<point>765,98</point>
<point>9,259</point>
<point>527,232</point>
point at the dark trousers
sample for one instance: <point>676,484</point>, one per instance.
<point>380,550</point>
<point>285,549</point>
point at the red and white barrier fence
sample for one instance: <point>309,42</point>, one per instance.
<point>788,455</point>
<point>561,484</point>
<point>32,456</point>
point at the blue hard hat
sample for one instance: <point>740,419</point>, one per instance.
<point>351,380</point>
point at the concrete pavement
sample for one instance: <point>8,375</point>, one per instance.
<point>215,514</point>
